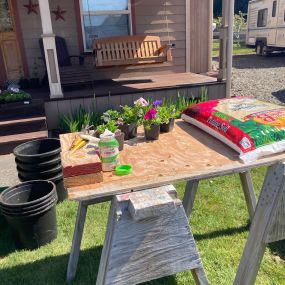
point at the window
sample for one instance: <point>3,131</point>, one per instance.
<point>262,18</point>
<point>104,18</point>
<point>274,9</point>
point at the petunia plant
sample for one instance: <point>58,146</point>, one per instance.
<point>151,118</point>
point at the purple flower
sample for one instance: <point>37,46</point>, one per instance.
<point>14,89</point>
<point>150,114</point>
<point>156,103</point>
<point>141,102</point>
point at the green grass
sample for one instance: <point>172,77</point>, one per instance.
<point>242,49</point>
<point>219,223</point>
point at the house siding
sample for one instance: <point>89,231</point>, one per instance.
<point>32,31</point>
<point>149,18</point>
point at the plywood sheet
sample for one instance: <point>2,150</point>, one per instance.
<point>187,153</point>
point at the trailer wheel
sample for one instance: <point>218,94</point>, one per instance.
<point>264,51</point>
<point>259,48</point>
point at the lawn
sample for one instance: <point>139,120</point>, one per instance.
<point>219,223</point>
<point>242,49</point>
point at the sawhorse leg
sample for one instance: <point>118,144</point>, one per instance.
<point>248,191</point>
<point>267,225</point>
<point>76,241</point>
<point>189,196</point>
<point>247,186</point>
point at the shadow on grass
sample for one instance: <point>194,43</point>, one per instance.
<point>221,233</point>
<point>278,248</point>
<point>52,270</point>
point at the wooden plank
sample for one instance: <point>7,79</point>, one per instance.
<point>169,160</point>
<point>272,190</point>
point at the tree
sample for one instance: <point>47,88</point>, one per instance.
<point>240,5</point>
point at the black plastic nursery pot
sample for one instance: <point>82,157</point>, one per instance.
<point>33,231</point>
<point>38,151</point>
<point>41,166</point>
<point>45,175</point>
<point>29,212</point>
<point>130,130</point>
<point>35,227</point>
<point>58,181</point>
<point>166,128</point>
<point>152,133</point>
<point>27,194</point>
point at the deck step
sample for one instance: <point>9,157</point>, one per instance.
<point>20,126</point>
<point>14,132</point>
<point>8,143</point>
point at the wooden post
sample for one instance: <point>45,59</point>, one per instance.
<point>223,42</point>
<point>188,36</point>
<point>231,13</point>
<point>50,51</point>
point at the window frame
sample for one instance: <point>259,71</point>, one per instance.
<point>104,12</point>
<point>258,22</point>
<point>274,9</point>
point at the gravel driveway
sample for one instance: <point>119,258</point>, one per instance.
<point>261,77</point>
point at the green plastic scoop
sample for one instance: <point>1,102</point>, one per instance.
<point>125,169</point>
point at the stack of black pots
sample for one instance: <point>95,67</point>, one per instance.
<point>30,210</point>
<point>40,160</point>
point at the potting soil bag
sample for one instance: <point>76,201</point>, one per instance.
<point>251,127</point>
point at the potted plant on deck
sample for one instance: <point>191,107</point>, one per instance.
<point>151,123</point>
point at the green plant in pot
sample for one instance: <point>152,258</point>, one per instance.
<point>167,114</point>
<point>112,126</point>
<point>14,94</point>
<point>129,119</point>
<point>151,123</point>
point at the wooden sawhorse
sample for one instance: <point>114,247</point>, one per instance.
<point>148,237</point>
<point>268,224</point>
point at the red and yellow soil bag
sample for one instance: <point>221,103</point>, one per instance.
<point>251,127</point>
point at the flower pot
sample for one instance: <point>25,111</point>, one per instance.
<point>130,130</point>
<point>152,133</point>
<point>120,139</point>
<point>166,128</point>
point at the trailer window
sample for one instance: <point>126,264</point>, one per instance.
<point>262,18</point>
<point>274,9</point>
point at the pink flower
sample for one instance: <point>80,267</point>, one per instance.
<point>141,102</point>
<point>150,114</point>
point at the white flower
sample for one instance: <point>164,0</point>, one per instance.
<point>141,102</point>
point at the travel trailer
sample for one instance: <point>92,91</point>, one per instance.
<point>266,26</point>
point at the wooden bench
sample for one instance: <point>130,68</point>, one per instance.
<point>130,50</point>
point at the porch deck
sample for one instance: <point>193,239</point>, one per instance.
<point>107,94</point>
